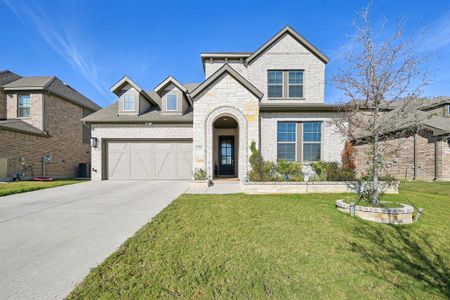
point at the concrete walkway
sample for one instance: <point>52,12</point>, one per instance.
<point>219,187</point>
<point>50,239</point>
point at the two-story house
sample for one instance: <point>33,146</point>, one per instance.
<point>41,127</point>
<point>273,96</point>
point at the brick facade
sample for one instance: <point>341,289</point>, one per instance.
<point>61,119</point>
<point>432,157</point>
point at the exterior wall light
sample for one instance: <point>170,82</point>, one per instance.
<point>94,142</point>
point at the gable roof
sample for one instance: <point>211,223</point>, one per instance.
<point>287,30</point>
<point>172,80</point>
<point>126,80</point>
<point>232,72</point>
<point>54,86</point>
<point>168,81</point>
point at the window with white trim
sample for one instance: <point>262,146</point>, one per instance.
<point>128,102</point>
<point>24,106</point>
<point>172,102</point>
<point>286,141</point>
<point>312,139</point>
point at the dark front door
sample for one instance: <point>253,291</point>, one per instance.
<point>226,155</point>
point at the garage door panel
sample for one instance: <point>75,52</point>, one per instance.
<point>149,160</point>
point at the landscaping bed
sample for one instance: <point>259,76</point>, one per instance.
<point>283,247</point>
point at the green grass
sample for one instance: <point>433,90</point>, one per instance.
<point>10,188</point>
<point>280,247</point>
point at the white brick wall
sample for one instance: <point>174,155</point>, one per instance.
<point>225,97</point>
<point>131,131</point>
<point>333,141</point>
<point>286,54</point>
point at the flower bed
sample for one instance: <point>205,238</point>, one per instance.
<point>401,215</point>
<point>312,187</point>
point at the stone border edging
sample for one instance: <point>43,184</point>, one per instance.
<point>402,215</point>
<point>286,187</point>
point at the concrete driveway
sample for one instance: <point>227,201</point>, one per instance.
<point>50,239</point>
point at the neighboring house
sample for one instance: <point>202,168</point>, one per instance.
<point>40,116</point>
<point>418,146</point>
<point>273,96</point>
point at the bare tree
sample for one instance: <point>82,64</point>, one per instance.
<point>382,70</point>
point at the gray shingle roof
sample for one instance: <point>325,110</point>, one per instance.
<point>153,115</point>
<point>440,123</point>
<point>32,82</point>
<point>53,85</point>
<point>18,125</point>
<point>191,86</point>
<point>7,77</point>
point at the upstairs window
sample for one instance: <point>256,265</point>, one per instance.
<point>128,102</point>
<point>24,106</point>
<point>295,84</point>
<point>172,103</point>
<point>275,84</point>
<point>286,138</point>
<point>285,84</point>
<point>312,138</point>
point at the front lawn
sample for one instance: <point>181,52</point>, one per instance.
<point>10,188</point>
<point>280,246</point>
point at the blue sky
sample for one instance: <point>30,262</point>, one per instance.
<point>92,44</point>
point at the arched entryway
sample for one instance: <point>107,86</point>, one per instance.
<point>235,120</point>
<point>225,147</point>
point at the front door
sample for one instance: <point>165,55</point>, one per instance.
<point>226,155</point>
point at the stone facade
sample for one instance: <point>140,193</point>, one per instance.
<point>429,161</point>
<point>226,97</point>
<point>104,132</point>
<point>61,119</point>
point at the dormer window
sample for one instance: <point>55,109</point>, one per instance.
<point>172,102</point>
<point>24,106</point>
<point>128,102</point>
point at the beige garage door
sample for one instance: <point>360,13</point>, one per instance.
<point>149,160</point>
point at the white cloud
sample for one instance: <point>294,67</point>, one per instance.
<point>437,34</point>
<point>56,36</point>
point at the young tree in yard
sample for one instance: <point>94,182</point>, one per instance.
<point>381,70</point>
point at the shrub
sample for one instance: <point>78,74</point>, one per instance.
<point>262,170</point>
<point>200,174</point>
<point>289,171</point>
<point>331,171</point>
